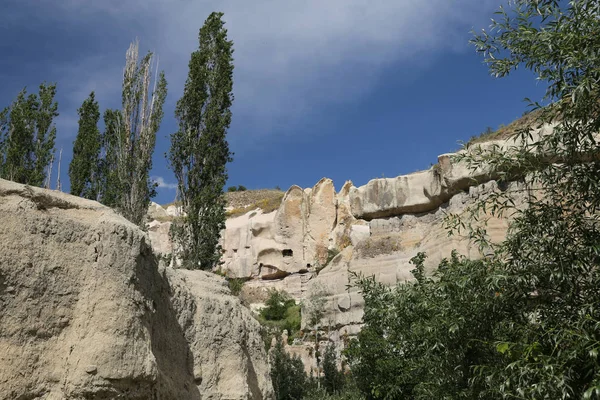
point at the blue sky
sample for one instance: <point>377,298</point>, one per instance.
<point>347,89</point>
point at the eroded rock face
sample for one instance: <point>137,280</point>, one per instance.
<point>229,360</point>
<point>86,312</point>
<point>318,238</point>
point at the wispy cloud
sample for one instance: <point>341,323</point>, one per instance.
<point>291,57</point>
<point>160,181</point>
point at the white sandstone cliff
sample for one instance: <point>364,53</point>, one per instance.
<point>87,312</point>
<point>374,229</point>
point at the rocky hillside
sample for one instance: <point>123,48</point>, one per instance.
<point>317,238</point>
<point>86,311</point>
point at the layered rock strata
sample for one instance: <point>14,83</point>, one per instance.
<point>318,238</point>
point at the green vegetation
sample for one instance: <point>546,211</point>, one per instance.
<point>129,139</point>
<point>290,381</point>
<point>235,285</point>
<point>280,313</point>
<point>287,374</point>
<point>27,135</point>
<point>239,188</point>
<point>428,351</point>
<point>267,205</point>
<point>523,322</point>
<point>349,391</point>
<point>199,149</point>
<point>84,168</point>
<point>527,121</point>
<point>333,379</point>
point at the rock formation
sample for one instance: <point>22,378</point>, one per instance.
<point>87,312</point>
<point>319,238</point>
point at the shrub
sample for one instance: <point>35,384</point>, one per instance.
<point>280,313</point>
<point>235,285</point>
<point>333,379</point>
<point>287,374</point>
<point>276,305</point>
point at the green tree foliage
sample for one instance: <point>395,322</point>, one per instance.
<point>421,339</point>
<point>84,167</point>
<point>350,391</point>
<point>287,374</point>
<point>333,379</point>
<point>277,305</point>
<point>27,136</point>
<point>199,149</point>
<point>524,322</point>
<point>129,139</point>
<point>239,188</point>
<point>280,313</point>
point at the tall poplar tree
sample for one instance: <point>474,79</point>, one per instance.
<point>28,136</point>
<point>130,137</point>
<point>199,149</point>
<point>4,124</point>
<point>83,170</point>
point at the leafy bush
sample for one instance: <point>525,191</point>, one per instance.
<point>287,374</point>
<point>523,322</point>
<point>349,391</point>
<point>276,305</point>
<point>280,313</point>
<point>239,188</point>
<point>421,340</point>
<point>236,285</point>
<point>333,379</point>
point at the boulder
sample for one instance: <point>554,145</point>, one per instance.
<point>86,311</point>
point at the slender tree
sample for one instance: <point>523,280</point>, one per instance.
<point>199,149</point>
<point>29,135</point>
<point>287,374</point>
<point>130,137</point>
<point>3,136</point>
<point>333,379</point>
<point>83,170</point>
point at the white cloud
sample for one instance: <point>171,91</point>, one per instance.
<point>163,184</point>
<point>292,57</point>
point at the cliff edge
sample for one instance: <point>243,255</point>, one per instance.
<point>86,312</point>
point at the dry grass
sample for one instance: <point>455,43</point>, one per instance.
<point>504,132</point>
<point>376,246</point>
<point>164,218</point>
<point>243,202</point>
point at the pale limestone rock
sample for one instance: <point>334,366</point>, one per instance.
<point>425,191</point>
<point>229,360</point>
<point>417,192</point>
<point>348,229</point>
<point>292,240</point>
<point>158,232</point>
<point>320,221</point>
<point>248,242</point>
<point>155,211</point>
<point>377,227</point>
<point>359,233</point>
<point>173,211</point>
<point>87,313</point>
<point>289,230</point>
